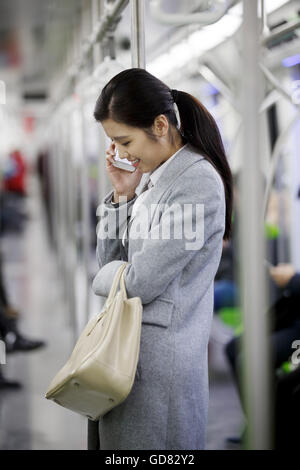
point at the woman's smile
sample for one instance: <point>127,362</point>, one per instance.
<point>136,163</point>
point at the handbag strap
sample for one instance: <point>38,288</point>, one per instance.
<point>119,276</point>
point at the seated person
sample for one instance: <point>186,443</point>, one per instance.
<point>225,289</point>
<point>287,409</point>
<point>286,332</point>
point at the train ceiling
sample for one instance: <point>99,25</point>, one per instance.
<point>34,33</point>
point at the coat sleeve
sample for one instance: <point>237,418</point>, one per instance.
<point>194,205</point>
<point>113,222</point>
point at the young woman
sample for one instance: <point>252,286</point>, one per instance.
<point>190,189</point>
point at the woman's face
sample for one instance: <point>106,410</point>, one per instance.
<point>133,143</point>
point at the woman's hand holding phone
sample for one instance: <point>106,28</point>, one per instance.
<point>124,182</point>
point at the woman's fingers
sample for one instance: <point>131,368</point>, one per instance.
<point>109,160</point>
<point>111,149</point>
<point>110,153</point>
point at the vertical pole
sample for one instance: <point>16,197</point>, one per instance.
<point>255,344</point>
<point>57,195</point>
<point>54,204</point>
<point>95,19</point>
<point>138,58</point>
<point>70,247</point>
<point>86,221</point>
<point>264,23</point>
<point>63,204</point>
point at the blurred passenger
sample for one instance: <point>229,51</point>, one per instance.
<point>12,212</point>
<point>285,276</point>
<point>225,285</point>
<point>287,398</point>
<point>9,333</point>
<point>286,327</point>
<point>43,171</point>
<point>226,292</point>
<point>12,216</point>
<point>15,174</point>
<point>7,383</point>
<point>287,410</point>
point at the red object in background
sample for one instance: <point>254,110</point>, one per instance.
<point>16,182</point>
<point>29,122</point>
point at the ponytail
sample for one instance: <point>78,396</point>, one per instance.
<point>199,129</point>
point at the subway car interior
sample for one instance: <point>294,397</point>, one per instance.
<point>241,59</point>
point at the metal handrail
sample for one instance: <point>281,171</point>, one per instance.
<point>273,80</point>
<point>215,80</point>
<point>203,17</point>
<point>109,20</point>
<point>280,31</point>
<point>275,157</point>
<point>281,139</point>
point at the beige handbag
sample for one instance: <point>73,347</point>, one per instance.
<point>101,369</point>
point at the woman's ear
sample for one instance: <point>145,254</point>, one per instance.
<point>160,125</point>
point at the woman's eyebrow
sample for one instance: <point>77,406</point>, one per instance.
<point>120,137</point>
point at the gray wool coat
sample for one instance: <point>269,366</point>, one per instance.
<point>173,275</point>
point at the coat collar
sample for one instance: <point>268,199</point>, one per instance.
<point>155,174</point>
<point>184,159</point>
<point>186,156</point>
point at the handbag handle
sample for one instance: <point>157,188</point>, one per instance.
<point>118,276</point>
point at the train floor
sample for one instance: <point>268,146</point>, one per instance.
<point>27,419</point>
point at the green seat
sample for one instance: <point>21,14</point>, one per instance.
<point>285,368</point>
<point>232,316</point>
<point>271,231</point>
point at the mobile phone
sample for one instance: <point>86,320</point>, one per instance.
<point>123,163</point>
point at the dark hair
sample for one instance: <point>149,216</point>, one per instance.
<point>135,97</point>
